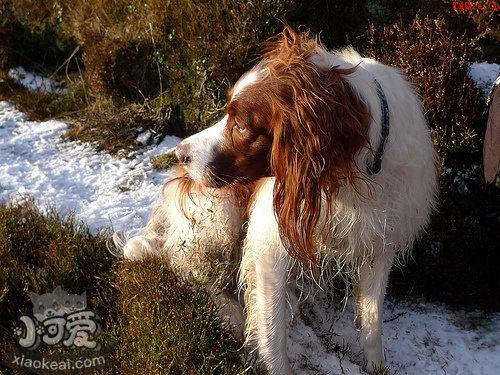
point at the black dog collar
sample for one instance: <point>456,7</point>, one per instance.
<point>376,165</point>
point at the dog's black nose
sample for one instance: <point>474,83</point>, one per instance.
<point>182,153</point>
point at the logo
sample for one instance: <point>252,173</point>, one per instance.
<point>62,320</point>
<point>58,318</point>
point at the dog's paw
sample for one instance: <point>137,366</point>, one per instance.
<point>115,244</point>
<point>136,248</point>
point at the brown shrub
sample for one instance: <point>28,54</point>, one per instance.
<point>482,27</point>
<point>182,53</point>
<point>115,128</point>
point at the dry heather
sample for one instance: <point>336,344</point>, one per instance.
<point>153,321</point>
<point>181,55</point>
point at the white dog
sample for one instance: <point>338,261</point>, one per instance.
<point>337,153</point>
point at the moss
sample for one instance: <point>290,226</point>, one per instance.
<point>164,161</point>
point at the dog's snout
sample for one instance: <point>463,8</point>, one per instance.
<point>182,152</point>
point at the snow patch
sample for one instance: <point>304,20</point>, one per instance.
<point>101,189</point>
<point>418,338</point>
<point>144,137</point>
<point>484,74</point>
<point>34,82</point>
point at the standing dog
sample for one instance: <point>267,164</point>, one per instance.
<point>342,166</point>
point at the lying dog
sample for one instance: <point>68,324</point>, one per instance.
<point>199,231</point>
<point>338,157</point>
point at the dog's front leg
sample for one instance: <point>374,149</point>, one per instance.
<point>372,284</point>
<point>264,276</point>
<point>271,321</point>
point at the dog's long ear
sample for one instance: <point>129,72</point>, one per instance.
<point>320,125</point>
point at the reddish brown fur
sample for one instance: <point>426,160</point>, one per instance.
<point>245,156</point>
<point>320,127</point>
<point>302,125</point>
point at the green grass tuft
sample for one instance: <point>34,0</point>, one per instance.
<point>164,161</point>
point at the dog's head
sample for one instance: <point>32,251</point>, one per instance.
<point>292,119</point>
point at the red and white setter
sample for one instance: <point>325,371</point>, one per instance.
<point>289,169</point>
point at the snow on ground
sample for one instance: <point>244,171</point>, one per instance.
<point>99,188</point>
<point>484,74</point>
<point>34,82</point>
<point>419,338</point>
<point>103,190</point>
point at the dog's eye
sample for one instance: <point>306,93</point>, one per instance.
<point>239,128</point>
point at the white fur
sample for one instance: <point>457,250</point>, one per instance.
<point>190,230</point>
<point>201,147</point>
<point>366,231</point>
<point>246,80</point>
